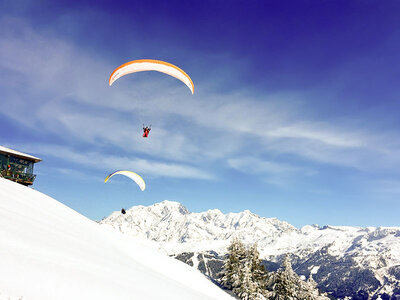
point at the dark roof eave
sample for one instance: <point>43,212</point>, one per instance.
<point>35,160</point>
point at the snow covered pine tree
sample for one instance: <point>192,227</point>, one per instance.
<point>243,272</point>
<point>287,285</point>
<point>232,273</point>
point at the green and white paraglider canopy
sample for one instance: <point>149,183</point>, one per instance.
<point>135,177</point>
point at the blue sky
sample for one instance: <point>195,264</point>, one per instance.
<point>295,113</point>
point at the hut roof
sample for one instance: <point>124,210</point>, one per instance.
<point>8,151</point>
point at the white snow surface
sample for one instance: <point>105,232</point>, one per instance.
<point>49,251</point>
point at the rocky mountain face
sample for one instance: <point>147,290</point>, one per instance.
<point>352,262</point>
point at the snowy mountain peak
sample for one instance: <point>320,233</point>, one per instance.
<point>214,212</point>
<point>309,228</point>
<point>168,207</point>
<point>170,221</point>
<point>178,230</point>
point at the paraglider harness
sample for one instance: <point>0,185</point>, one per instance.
<point>146,131</point>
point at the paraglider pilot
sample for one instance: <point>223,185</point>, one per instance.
<point>146,131</point>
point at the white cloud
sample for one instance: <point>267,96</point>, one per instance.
<point>56,87</point>
<point>318,131</point>
<point>76,174</point>
<point>274,173</point>
<point>258,166</point>
<point>101,161</point>
<point>385,186</point>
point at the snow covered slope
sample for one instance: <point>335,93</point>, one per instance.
<point>337,256</point>
<point>49,251</point>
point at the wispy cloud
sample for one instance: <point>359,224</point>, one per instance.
<point>58,88</point>
<point>258,166</point>
<point>76,174</point>
<point>274,173</point>
<point>385,186</point>
<point>100,161</point>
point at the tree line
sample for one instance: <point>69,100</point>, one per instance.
<point>244,274</point>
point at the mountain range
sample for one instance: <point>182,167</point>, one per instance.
<point>345,261</point>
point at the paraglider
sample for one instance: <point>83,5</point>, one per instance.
<point>135,177</point>
<point>141,65</point>
<point>146,131</point>
<point>151,65</point>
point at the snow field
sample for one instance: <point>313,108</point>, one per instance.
<point>49,251</point>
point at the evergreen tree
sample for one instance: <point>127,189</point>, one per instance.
<point>258,271</point>
<point>309,290</point>
<point>232,271</point>
<point>311,282</point>
<point>247,290</point>
<point>254,276</point>
<point>286,282</point>
<point>257,268</point>
<point>243,272</point>
<point>287,285</point>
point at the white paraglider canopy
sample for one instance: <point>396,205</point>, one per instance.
<point>151,65</point>
<point>135,177</point>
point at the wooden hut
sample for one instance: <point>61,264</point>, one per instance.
<point>17,166</point>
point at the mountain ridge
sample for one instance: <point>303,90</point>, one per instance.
<point>371,253</point>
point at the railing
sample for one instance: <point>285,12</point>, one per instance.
<point>19,177</point>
